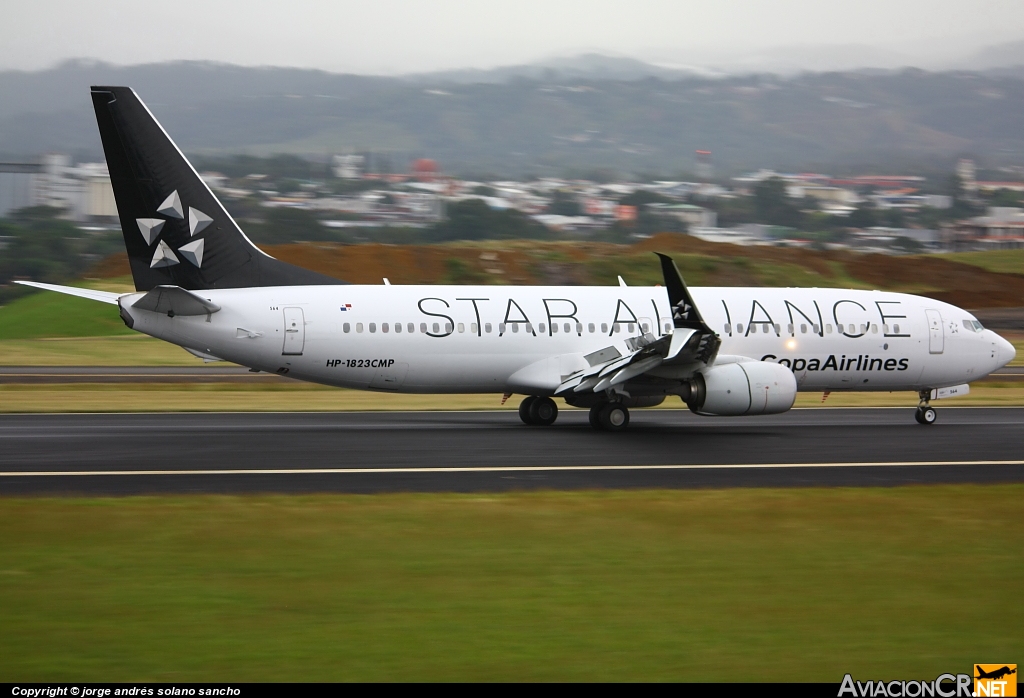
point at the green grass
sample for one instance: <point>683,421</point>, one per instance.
<point>48,314</point>
<point>1002,261</point>
<point>797,585</point>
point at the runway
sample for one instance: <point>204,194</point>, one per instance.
<point>493,451</point>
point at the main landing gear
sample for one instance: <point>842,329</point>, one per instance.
<point>925,412</point>
<point>538,411</point>
<point>609,416</point>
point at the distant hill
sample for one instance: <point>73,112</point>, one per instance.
<point>588,112</point>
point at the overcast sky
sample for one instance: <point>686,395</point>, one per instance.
<point>402,36</point>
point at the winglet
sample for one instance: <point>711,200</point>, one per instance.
<point>684,312</point>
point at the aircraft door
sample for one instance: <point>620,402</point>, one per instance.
<point>294,332</point>
<point>935,336</point>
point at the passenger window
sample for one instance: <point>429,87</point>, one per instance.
<point>411,327</point>
<point>753,328</point>
<point>645,327</point>
<point>777,329</point>
<point>817,330</point>
<point>359,327</point>
<point>373,327</point>
<point>447,328</point>
<point>568,328</point>
<point>630,328</point>
<point>554,327</point>
<point>604,327</point>
<point>398,327</point>
<point>529,327</point>
<point>384,327</point>
<point>668,328</point>
<point>803,328</point>
<point>590,328</point>
<point>728,328</point>
<point>579,328</point>
<point>739,328</point>
<point>616,328</point>
<point>347,328</point>
<point>863,329</point>
<point>790,328</point>
<point>515,328</point>
<point>487,327</point>
<point>885,329</point>
<point>437,328</point>
<point>874,329</point>
<point>462,327</point>
<point>423,327</point>
<point>501,328</point>
<point>473,328</point>
<point>839,328</point>
<point>896,329</point>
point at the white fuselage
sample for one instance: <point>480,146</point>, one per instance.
<point>439,339</point>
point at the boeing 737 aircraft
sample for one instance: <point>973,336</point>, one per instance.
<point>201,284</point>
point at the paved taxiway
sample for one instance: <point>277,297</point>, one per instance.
<point>473,451</point>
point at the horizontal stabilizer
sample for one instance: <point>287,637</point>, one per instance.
<point>101,296</point>
<point>174,300</point>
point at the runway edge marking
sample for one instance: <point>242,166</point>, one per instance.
<point>501,469</point>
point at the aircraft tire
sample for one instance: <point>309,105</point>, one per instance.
<point>524,409</point>
<point>543,412</point>
<point>926,415</point>
<point>595,417</point>
<point>614,417</point>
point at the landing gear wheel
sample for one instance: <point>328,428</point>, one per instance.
<point>595,417</point>
<point>524,409</point>
<point>614,417</point>
<point>925,415</point>
<point>543,412</point>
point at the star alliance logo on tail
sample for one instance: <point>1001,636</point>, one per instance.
<point>163,255</point>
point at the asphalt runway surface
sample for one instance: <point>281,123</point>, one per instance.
<point>493,451</point>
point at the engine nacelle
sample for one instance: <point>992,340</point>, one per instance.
<point>750,387</point>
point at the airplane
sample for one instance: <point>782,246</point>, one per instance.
<point>203,285</point>
<point>995,674</point>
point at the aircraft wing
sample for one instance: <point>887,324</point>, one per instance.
<point>101,296</point>
<point>691,342</point>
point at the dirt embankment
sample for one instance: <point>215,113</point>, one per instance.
<point>533,262</point>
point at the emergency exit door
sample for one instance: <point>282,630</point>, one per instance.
<point>294,331</point>
<point>935,338</point>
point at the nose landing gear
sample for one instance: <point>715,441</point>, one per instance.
<point>925,413</point>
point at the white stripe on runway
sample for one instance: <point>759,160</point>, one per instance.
<point>500,469</point>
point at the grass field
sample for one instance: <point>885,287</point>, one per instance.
<point>791,585</point>
<point>1002,261</point>
<point>304,397</point>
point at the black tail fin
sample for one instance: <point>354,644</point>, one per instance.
<point>176,231</point>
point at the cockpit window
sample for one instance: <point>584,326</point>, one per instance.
<point>974,326</point>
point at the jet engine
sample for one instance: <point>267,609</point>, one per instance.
<point>748,387</point>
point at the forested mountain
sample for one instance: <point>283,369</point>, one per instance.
<point>551,121</point>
